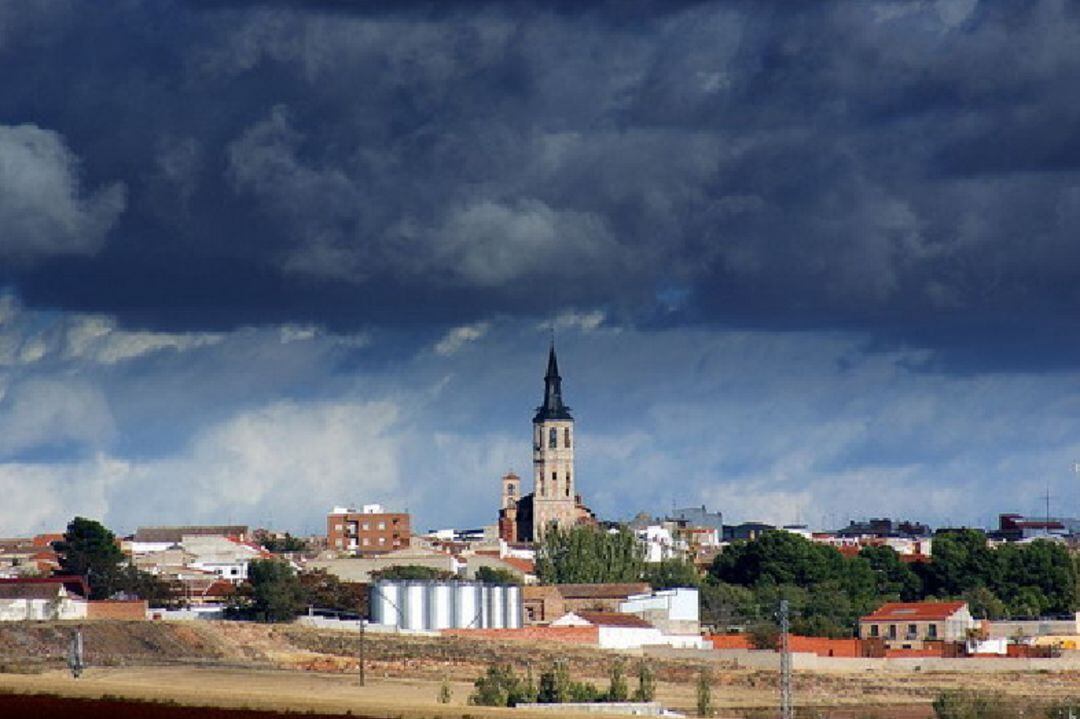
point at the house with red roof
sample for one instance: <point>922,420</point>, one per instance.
<point>910,625</point>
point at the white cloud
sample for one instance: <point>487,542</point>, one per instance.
<point>52,411</point>
<point>43,208</point>
<point>458,337</point>
<point>572,319</point>
<point>42,498</point>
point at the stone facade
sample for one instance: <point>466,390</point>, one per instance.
<point>554,500</point>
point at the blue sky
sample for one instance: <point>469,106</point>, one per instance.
<point>804,261</point>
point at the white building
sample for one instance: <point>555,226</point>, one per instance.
<point>40,601</point>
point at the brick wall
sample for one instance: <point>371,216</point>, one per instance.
<point>730,641</point>
<point>563,635</point>
<point>135,609</point>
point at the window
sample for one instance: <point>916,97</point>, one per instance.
<point>553,438</point>
<point>873,630</point>
<point>382,525</point>
<point>566,437</point>
<point>892,631</point>
<point>931,631</point>
<point>366,541</point>
<point>567,484</point>
<point>912,631</point>
<point>366,526</point>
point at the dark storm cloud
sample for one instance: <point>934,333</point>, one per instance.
<point>904,168</point>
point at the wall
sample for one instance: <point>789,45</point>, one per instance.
<point>730,641</point>
<point>824,647</point>
<point>41,609</point>
<point>768,659</point>
<point>130,610</point>
<point>1035,627</point>
<point>564,635</point>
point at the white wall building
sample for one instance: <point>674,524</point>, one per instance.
<point>41,602</point>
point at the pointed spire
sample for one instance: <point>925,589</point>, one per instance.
<point>553,363</point>
<point>553,407</point>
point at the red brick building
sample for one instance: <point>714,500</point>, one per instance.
<point>372,530</point>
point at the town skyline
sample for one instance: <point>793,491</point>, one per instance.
<point>803,263</point>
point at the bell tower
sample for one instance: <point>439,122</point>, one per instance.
<point>554,496</point>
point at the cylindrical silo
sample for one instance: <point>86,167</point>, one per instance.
<point>465,616</point>
<point>441,599</point>
<point>386,600</point>
<point>485,607</point>
<point>496,611</point>
<point>513,607</point>
<point>414,606</point>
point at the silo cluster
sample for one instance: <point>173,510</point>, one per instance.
<point>428,606</point>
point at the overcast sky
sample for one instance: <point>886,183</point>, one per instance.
<point>805,261</point>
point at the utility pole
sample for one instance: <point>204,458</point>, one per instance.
<point>75,655</point>
<point>363,624</point>
<point>787,711</point>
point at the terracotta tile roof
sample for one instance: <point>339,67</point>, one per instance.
<point>613,619</point>
<point>601,591</point>
<point>522,565</point>
<point>914,611</point>
<point>74,585</point>
<point>46,540</point>
<point>29,591</point>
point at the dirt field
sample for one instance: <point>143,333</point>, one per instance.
<point>286,668</point>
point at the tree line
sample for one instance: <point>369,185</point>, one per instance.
<point>827,590</point>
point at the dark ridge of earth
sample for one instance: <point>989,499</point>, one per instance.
<point>39,706</point>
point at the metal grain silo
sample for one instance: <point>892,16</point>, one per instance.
<point>440,606</point>
<point>485,607</point>
<point>413,607</point>
<point>496,608</point>
<point>513,607</point>
<point>385,603</point>
<point>466,605</point>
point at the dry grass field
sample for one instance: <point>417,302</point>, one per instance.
<point>286,668</point>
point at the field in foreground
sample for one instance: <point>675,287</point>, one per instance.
<point>289,668</point>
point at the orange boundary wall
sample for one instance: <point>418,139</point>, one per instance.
<point>563,635</point>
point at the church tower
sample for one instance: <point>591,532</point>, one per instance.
<point>554,497</point>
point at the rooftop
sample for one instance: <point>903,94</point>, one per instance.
<point>914,611</point>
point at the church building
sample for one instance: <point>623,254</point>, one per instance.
<point>554,499</point>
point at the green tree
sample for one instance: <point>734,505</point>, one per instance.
<point>1041,570</point>
<point>588,555</point>
<point>276,592</point>
<point>497,575</point>
<point>984,604</point>
<point>618,690</point>
<point>326,591</point>
<point>727,605</point>
<point>704,693</point>
<point>158,592</point>
<point>554,684</point>
<point>671,573</point>
<point>90,550</point>
<point>894,579</point>
<point>499,686</point>
<point>778,557</point>
<point>646,688</point>
<point>411,572</point>
<point>961,561</point>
